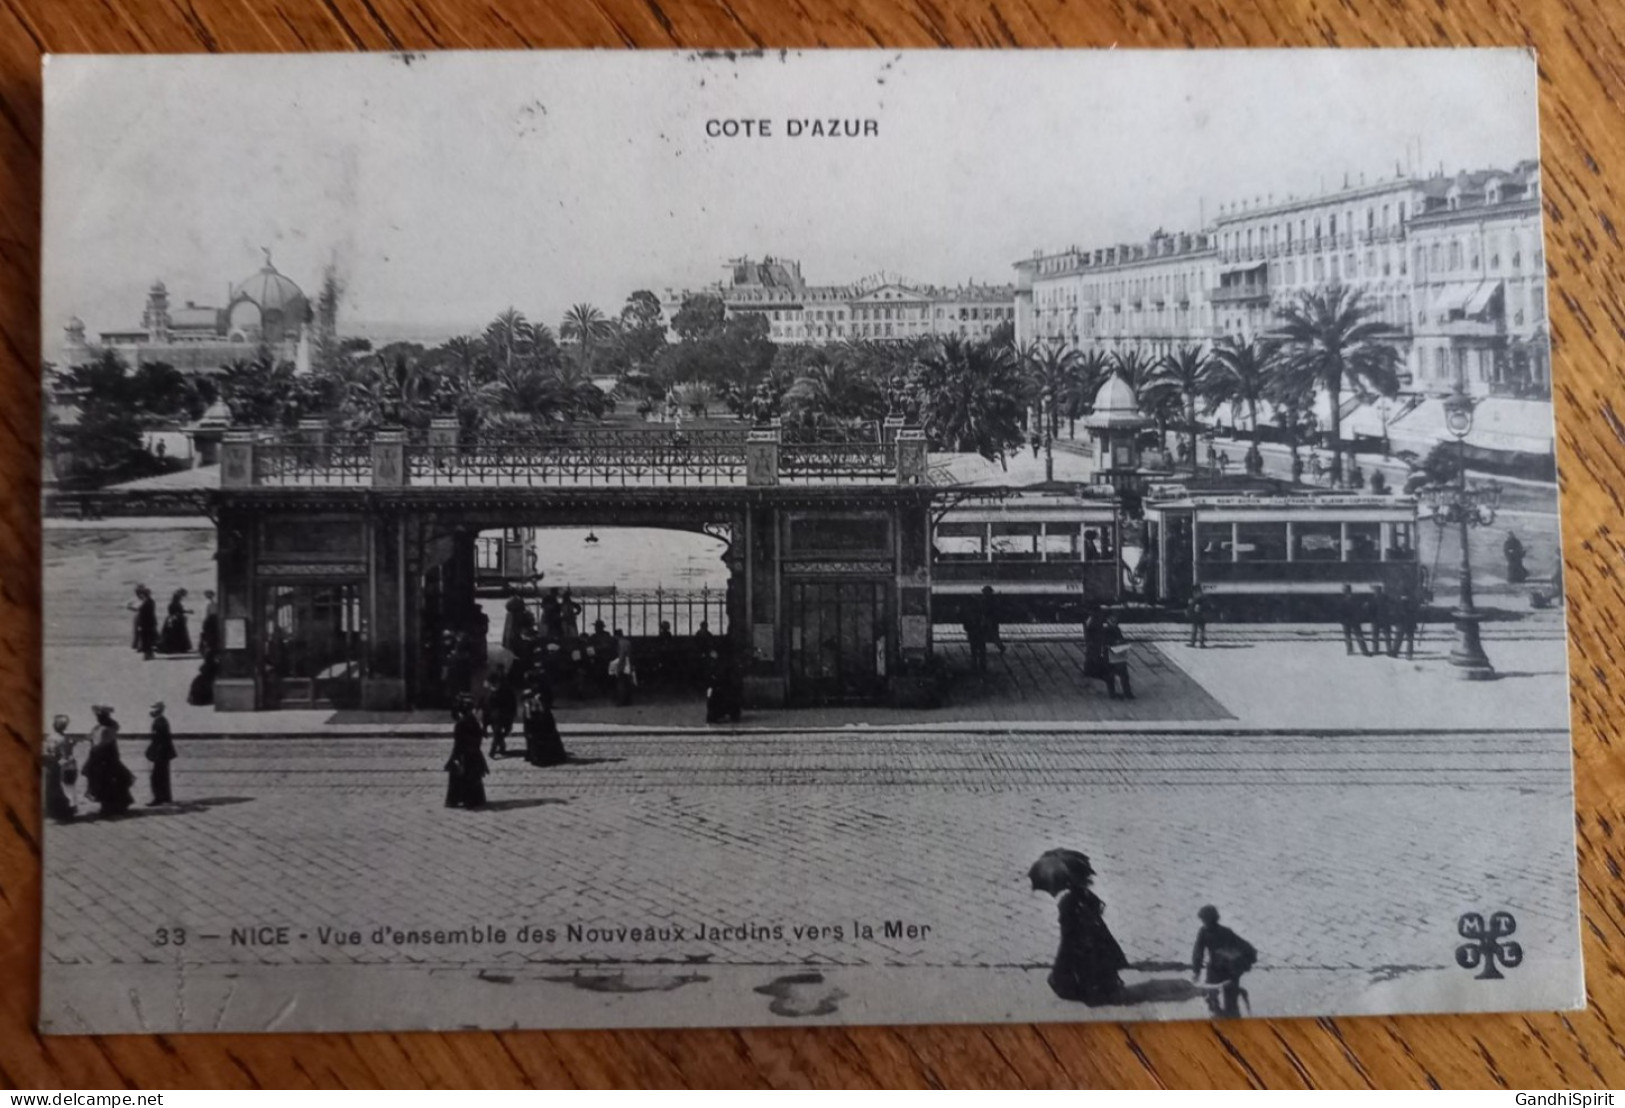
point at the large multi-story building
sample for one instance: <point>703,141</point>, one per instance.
<point>1479,279</point>
<point>879,307</point>
<point>1452,264</point>
<point>1150,296</point>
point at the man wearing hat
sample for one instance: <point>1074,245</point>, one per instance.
<point>160,752</point>
<point>1226,956</point>
<point>145,638</point>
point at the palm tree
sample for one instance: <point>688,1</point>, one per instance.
<point>522,396</point>
<point>1177,382</point>
<point>584,324</point>
<point>1331,339</point>
<point>509,337</point>
<point>1089,372</point>
<point>389,392</point>
<point>1292,397</point>
<point>828,398</point>
<point>973,397</point>
<point>1244,371</point>
<point>1049,367</point>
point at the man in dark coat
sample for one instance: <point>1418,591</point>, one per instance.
<point>1116,659</point>
<point>501,706</point>
<point>1382,621</point>
<point>145,639</point>
<point>1227,956</point>
<point>1410,615</point>
<point>160,752</point>
<point>1350,615</point>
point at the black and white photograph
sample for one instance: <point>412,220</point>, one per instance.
<point>575,539</point>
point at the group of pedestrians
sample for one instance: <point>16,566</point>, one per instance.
<point>553,647</point>
<point>103,779</point>
<point>1089,961</point>
<point>149,639</point>
<point>505,707</point>
<point>1393,621</point>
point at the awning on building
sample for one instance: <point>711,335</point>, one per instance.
<point>1242,267</point>
<point>1479,302</point>
<point>1513,426</point>
<point>1454,297</point>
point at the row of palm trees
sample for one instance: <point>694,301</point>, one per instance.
<point>1325,341</point>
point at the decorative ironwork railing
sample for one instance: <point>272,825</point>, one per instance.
<point>837,462</point>
<point>312,463</point>
<point>640,612</point>
<point>594,458</point>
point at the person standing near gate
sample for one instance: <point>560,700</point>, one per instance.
<point>1196,612</point>
<point>1350,615</point>
<point>160,752</point>
<point>621,669</point>
<point>501,705</point>
<point>466,768</point>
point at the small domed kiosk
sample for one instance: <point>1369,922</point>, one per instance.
<point>1114,425</point>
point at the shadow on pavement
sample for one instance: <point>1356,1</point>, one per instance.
<point>183,808</point>
<point>1159,990</point>
<point>524,802</point>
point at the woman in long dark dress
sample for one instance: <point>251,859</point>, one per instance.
<point>466,769</point>
<point>543,745</point>
<point>160,752</point>
<point>208,632</point>
<point>176,638</point>
<point>107,779</point>
<point>202,689</point>
<point>1089,961</point>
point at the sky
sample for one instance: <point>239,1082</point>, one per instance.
<point>447,187</point>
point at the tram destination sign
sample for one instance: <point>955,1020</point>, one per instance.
<point>713,546</point>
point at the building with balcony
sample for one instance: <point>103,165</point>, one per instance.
<point>1479,280</point>
<point>1150,297</point>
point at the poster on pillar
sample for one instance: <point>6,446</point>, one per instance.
<point>1049,536</point>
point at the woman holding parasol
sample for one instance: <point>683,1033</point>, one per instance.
<point>1089,961</point>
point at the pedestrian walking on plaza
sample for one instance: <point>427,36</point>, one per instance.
<point>208,632</point>
<point>61,772</point>
<point>722,693</point>
<point>1409,616</point>
<point>1226,956</point>
<point>1512,550</point>
<point>1196,612</point>
<point>160,752</point>
<point>501,706</point>
<point>176,638</point>
<point>1382,621</point>
<point>466,768</point>
<point>107,780</point>
<point>515,625</point>
<point>145,638</point>
<point>1350,615</point>
<point>1088,962</point>
<point>1117,660</point>
<point>543,745</point>
<point>622,670</point>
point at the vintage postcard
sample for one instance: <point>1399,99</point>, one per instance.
<point>610,539</point>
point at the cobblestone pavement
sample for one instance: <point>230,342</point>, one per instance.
<point>1345,858</point>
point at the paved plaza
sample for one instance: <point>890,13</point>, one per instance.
<point>820,864</point>
<point>1346,859</point>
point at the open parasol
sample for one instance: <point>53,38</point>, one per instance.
<point>1059,870</point>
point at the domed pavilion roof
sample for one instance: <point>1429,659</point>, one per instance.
<point>1116,405</point>
<point>272,292</point>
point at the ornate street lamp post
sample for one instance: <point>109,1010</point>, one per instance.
<point>1466,508</point>
<point>1383,408</point>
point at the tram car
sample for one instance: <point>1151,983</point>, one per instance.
<point>1279,557</point>
<point>1046,554</point>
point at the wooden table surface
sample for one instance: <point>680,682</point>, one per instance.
<point>1581,47</point>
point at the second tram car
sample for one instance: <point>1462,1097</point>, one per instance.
<point>1280,556</point>
<point>1047,554</point>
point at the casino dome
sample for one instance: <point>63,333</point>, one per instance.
<point>267,305</point>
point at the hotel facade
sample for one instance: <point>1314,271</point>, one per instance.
<point>1452,264</point>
